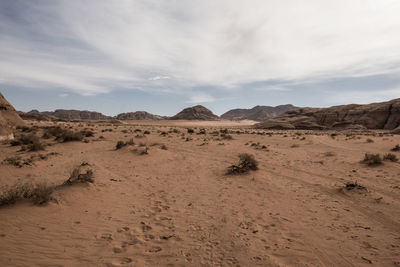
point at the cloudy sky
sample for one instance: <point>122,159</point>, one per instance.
<point>161,56</point>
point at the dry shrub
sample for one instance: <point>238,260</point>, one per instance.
<point>226,136</point>
<point>77,176</point>
<point>39,194</point>
<point>247,162</point>
<point>120,144</point>
<point>354,185</point>
<point>70,136</point>
<point>390,157</point>
<point>396,148</point>
<point>372,159</point>
<point>31,142</point>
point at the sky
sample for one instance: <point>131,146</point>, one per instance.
<point>161,56</point>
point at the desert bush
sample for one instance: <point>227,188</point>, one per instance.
<point>55,131</point>
<point>396,148</point>
<point>87,133</point>
<point>164,147</point>
<point>16,161</point>
<point>294,146</point>
<point>369,140</point>
<point>190,131</point>
<point>247,162</point>
<point>130,142</point>
<point>390,157</point>
<point>372,159</point>
<point>329,154</point>
<point>78,177</point>
<point>226,136</point>
<point>120,144</point>
<point>39,194</point>
<point>224,131</point>
<point>35,146</point>
<point>202,131</point>
<point>31,141</point>
<point>354,185</point>
<point>70,136</point>
<point>146,132</point>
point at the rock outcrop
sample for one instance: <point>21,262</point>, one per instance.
<point>9,119</point>
<point>196,113</point>
<point>138,115</point>
<point>384,115</point>
<point>258,113</point>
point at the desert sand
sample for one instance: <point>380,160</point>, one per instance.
<point>175,205</point>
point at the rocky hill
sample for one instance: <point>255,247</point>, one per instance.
<point>196,113</point>
<point>138,115</point>
<point>36,115</point>
<point>63,114</point>
<point>9,118</point>
<point>258,113</point>
<point>384,115</point>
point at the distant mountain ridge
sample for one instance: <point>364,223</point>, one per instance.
<point>198,112</point>
<point>257,113</point>
<point>138,115</point>
<point>382,115</point>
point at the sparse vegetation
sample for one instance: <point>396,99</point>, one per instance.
<point>390,157</point>
<point>372,159</point>
<point>70,136</point>
<point>354,185</point>
<point>369,140</point>
<point>39,194</point>
<point>247,162</point>
<point>120,144</point>
<point>28,142</point>
<point>396,148</point>
<point>78,177</point>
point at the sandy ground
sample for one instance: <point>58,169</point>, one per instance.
<point>176,207</point>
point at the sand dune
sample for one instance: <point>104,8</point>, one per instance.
<point>176,207</point>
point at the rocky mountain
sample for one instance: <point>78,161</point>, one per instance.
<point>138,115</point>
<point>63,114</point>
<point>9,119</point>
<point>258,113</point>
<point>196,113</point>
<point>384,115</point>
<point>36,115</point>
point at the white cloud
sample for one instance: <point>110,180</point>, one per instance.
<point>156,78</point>
<point>94,46</point>
<point>63,95</point>
<point>200,98</point>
